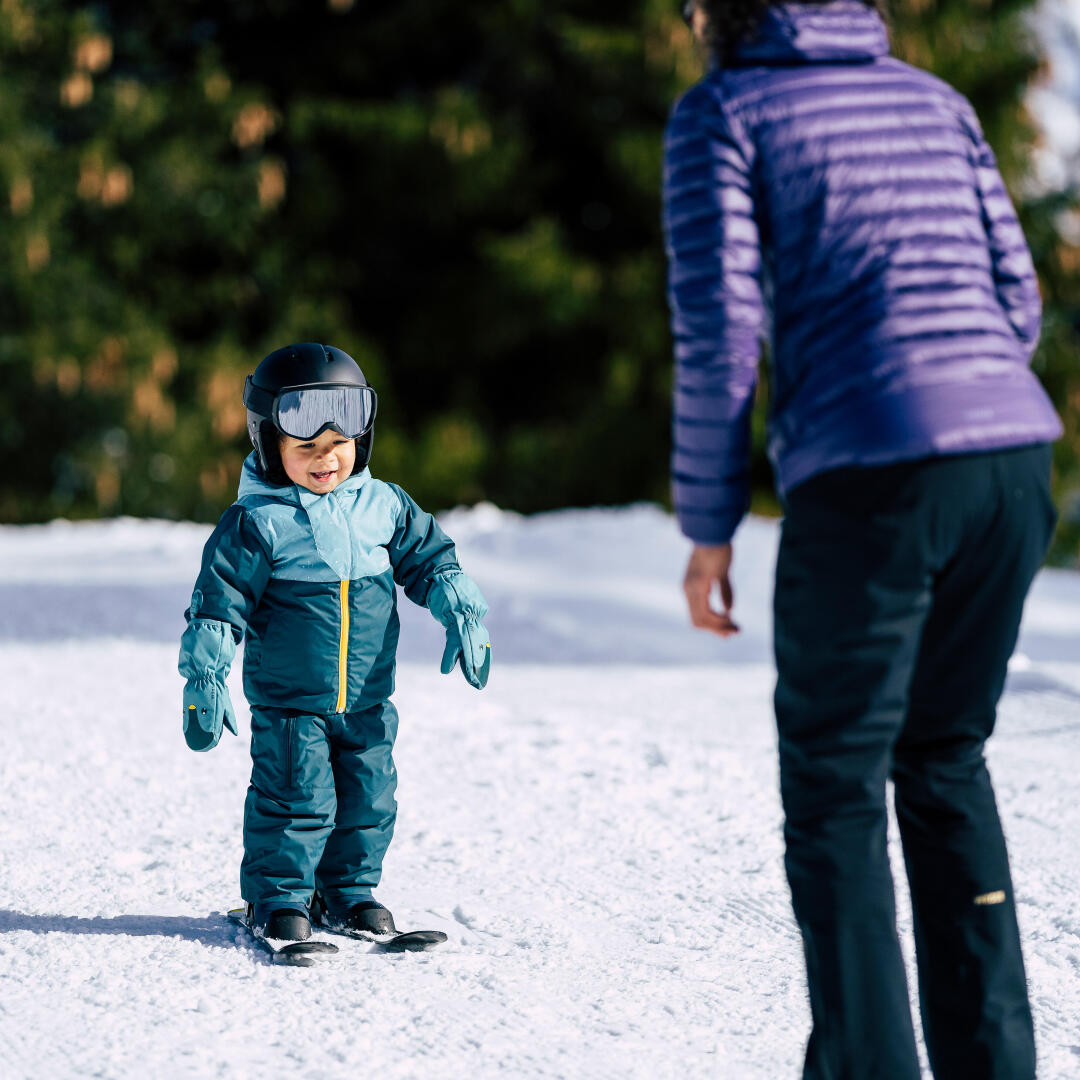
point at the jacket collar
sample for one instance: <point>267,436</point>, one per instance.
<point>253,483</point>
<point>843,31</point>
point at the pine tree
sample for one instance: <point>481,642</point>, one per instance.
<point>463,195</point>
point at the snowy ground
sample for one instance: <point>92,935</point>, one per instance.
<point>598,832</point>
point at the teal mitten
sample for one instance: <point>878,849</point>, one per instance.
<point>207,709</point>
<point>459,605</point>
<point>206,652</point>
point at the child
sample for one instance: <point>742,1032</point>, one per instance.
<point>302,568</point>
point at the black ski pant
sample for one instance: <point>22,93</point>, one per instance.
<point>899,591</point>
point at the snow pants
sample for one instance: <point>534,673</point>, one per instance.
<point>899,592</point>
<point>320,808</point>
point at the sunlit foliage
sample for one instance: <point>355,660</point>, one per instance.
<point>464,196</point>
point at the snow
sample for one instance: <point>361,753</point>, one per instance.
<point>598,832</point>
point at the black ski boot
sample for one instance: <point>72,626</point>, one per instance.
<point>286,924</point>
<point>368,917</point>
<point>371,921</point>
<point>371,918</point>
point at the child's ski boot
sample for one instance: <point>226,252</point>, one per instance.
<point>368,917</point>
<point>371,921</point>
<point>286,924</point>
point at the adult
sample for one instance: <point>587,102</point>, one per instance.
<point>846,207</point>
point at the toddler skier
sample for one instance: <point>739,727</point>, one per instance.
<point>302,569</point>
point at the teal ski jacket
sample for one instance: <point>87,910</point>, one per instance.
<point>307,582</point>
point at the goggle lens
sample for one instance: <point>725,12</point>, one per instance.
<point>305,412</point>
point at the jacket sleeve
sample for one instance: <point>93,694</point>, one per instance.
<point>717,313</point>
<point>236,566</point>
<point>1014,273</point>
<point>419,549</point>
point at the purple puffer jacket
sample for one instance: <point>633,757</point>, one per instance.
<point>846,207</point>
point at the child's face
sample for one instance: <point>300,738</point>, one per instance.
<point>318,464</point>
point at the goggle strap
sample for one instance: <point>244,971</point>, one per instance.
<point>257,399</point>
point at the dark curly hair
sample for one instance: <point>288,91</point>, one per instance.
<point>730,22</point>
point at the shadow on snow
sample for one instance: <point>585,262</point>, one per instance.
<point>210,930</point>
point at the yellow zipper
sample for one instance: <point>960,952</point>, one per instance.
<point>343,648</point>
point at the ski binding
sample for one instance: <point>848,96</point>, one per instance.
<point>294,953</point>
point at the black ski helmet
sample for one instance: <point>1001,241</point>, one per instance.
<point>306,363</point>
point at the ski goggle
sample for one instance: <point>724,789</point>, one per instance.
<point>302,412</point>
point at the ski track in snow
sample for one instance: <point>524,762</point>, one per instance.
<point>598,832</point>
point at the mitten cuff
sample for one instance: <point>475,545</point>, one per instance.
<point>207,650</point>
<point>453,593</point>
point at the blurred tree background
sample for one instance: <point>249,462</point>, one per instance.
<point>464,196</point>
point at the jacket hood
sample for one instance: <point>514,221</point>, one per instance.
<point>252,483</point>
<point>844,31</point>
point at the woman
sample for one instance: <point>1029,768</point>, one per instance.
<point>846,207</point>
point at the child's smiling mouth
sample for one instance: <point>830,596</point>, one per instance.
<point>323,477</point>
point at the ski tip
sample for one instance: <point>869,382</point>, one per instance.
<point>412,941</point>
<point>301,948</point>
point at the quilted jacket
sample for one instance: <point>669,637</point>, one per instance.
<point>845,207</point>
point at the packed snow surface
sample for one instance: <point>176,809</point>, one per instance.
<point>598,832</point>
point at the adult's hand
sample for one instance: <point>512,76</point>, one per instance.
<point>709,565</point>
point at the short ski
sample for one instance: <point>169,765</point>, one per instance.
<point>397,941</point>
<point>296,953</point>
